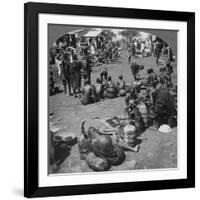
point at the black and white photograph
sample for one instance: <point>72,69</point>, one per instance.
<point>112,99</point>
<point>108,99</point>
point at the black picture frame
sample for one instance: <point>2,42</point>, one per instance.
<point>31,12</point>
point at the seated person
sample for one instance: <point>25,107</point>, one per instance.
<point>121,83</point>
<point>161,75</point>
<point>163,106</point>
<point>99,89</point>
<point>152,78</point>
<point>164,77</point>
<point>88,93</point>
<point>121,86</point>
<point>104,75</point>
<point>111,90</point>
<point>130,98</point>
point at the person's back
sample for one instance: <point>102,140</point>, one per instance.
<point>164,106</point>
<point>88,94</point>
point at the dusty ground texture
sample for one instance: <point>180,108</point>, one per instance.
<point>157,150</point>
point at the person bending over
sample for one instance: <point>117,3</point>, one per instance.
<point>135,69</point>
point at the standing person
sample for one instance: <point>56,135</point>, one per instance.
<point>51,84</point>
<point>158,49</point>
<point>52,55</point>
<point>76,78</point>
<point>135,69</point>
<point>133,49</point>
<point>58,62</point>
<point>66,73</point>
<point>142,48</point>
<point>169,54</point>
<point>129,54</point>
<point>169,68</point>
<point>88,67</point>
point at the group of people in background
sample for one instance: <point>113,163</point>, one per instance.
<point>149,48</point>
<point>105,52</point>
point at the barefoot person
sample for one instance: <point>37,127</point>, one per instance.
<point>76,79</point>
<point>66,74</point>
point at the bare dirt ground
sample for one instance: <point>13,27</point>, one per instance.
<point>157,150</point>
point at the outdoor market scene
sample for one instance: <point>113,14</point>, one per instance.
<point>112,99</point>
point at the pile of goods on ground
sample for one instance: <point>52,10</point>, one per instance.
<point>103,144</point>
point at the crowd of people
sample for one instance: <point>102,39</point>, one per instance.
<point>156,93</point>
<point>148,47</point>
<point>154,90</point>
<point>150,101</point>
<point>103,51</point>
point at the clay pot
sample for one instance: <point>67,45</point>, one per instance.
<point>97,163</point>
